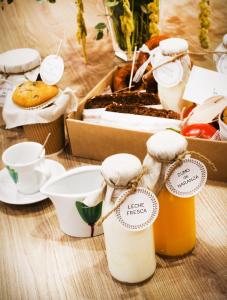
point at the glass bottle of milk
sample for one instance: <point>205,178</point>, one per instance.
<point>130,254</point>
<point>220,59</point>
<point>172,77</point>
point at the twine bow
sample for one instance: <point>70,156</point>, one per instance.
<point>172,59</point>
<point>178,161</point>
<point>132,186</point>
<point>167,61</point>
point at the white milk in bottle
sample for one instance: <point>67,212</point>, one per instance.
<point>172,77</point>
<point>130,253</point>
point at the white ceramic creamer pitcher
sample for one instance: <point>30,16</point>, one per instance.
<point>70,192</point>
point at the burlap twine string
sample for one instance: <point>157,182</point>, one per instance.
<point>175,57</point>
<point>178,161</point>
<point>181,156</point>
<point>132,186</point>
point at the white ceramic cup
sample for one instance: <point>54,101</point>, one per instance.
<point>26,166</point>
<point>70,193</point>
<point>222,127</point>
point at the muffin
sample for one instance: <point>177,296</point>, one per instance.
<point>30,94</point>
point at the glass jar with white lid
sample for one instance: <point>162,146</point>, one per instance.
<point>172,77</point>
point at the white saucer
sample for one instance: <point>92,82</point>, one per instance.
<point>8,191</point>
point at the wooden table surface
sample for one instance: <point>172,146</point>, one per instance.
<point>37,260</point>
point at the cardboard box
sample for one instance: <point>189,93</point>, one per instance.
<point>97,142</point>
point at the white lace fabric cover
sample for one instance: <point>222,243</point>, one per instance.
<point>14,116</point>
<point>19,60</point>
<point>16,66</point>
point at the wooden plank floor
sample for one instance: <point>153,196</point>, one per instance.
<point>38,261</point>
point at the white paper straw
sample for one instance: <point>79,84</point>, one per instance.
<point>133,64</point>
<point>60,44</point>
<point>44,144</point>
<point>59,47</point>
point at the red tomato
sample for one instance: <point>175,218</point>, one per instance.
<point>203,131</point>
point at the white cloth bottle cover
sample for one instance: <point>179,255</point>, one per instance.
<point>185,180</point>
<point>171,74</point>
<point>162,146</point>
<point>139,208</point>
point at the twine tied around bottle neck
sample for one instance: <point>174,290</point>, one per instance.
<point>178,56</point>
<point>132,186</point>
<point>178,161</point>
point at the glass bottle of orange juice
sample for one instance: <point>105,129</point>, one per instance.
<point>174,229</point>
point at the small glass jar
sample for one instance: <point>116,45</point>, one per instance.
<point>130,254</point>
<point>217,56</point>
<point>171,94</point>
<point>174,229</point>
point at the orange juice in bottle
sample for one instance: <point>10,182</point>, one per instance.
<point>174,229</point>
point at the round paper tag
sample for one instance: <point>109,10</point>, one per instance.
<point>188,179</point>
<point>52,69</point>
<point>138,211</point>
<point>222,64</point>
<point>169,75</point>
